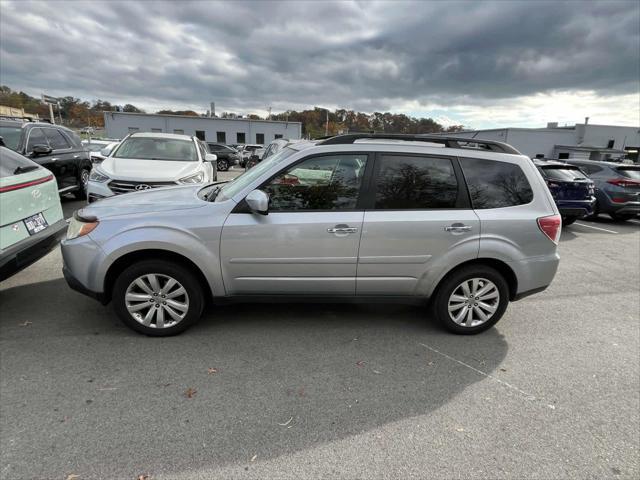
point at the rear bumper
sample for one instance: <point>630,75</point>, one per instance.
<point>534,274</point>
<point>576,208</point>
<point>22,254</point>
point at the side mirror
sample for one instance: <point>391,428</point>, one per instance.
<point>258,202</point>
<point>210,157</point>
<point>105,151</point>
<point>41,150</point>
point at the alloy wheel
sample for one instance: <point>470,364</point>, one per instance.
<point>157,301</point>
<point>474,302</point>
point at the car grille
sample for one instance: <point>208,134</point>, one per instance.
<point>118,186</point>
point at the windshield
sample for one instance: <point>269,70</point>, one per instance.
<point>11,136</point>
<point>563,172</point>
<point>149,148</point>
<point>631,172</point>
<point>239,183</point>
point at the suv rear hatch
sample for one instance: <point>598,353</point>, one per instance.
<point>567,182</point>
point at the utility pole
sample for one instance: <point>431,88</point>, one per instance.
<point>269,110</point>
<point>326,127</point>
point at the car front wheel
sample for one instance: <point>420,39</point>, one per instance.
<point>157,297</point>
<point>223,165</point>
<point>471,300</point>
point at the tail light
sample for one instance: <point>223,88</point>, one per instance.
<point>551,226</point>
<point>622,182</point>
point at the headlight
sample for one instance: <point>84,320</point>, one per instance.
<point>195,178</point>
<point>78,228</point>
<point>96,176</point>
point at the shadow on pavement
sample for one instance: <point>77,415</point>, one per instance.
<point>113,403</point>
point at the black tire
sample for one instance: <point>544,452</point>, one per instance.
<point>568,220</point>
<point>223,165</point>
<point>622,217</point>
<point>83,180</point>
<point>159,267</point>
<point>440,303</point>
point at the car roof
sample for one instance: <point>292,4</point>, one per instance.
<point>545,162</point>
<point>175,136</point>
<point>597,162</point>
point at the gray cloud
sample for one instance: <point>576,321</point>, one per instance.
<point>246,55</point>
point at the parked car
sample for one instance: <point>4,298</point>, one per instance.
<point>571,189</point>
<point>248,151</point>
<point>227,156</point>
<point>88,130</point>
<point>617,187</point>
<point>99,149</point>
<point>346,219</point>
<point>31,221</point>
<point>150,160</point>
<point>54,147</point>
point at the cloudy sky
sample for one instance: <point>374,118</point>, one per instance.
<point>481,64</point>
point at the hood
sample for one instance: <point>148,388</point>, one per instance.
<point>147,201</point>
<point>147,170</point>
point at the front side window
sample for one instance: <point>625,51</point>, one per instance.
<point>149,148</point>
<point>11,136</point>
<point>57,140</point>
<point>494,184</point>
<point>415,182</point>
<point>36,137</point>
<point>318,183</point>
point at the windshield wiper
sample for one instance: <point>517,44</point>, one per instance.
<point>213,193</point>
<point>30,168</point>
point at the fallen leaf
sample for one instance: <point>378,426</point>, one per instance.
<point>286,423</point>
<point>376,372</point>
<point>459,429</point>
<point>253,459</point>
<point>503,369</point>
<point>73,476</point>
<point>360,363</point>
<point>190,392</point>
<point>212,371</point>
<point>143,477</point>
<point>26,323</point>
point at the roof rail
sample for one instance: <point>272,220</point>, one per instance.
<point>449,142</point>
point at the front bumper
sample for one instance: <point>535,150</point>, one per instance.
<point>75,284</point>
<point>22,254</point>
<point>98,190</point>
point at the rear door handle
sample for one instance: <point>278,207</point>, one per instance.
<point>457,227</point>
<point>54,159</point>
<point>76,156</point>
<point>342,229</point>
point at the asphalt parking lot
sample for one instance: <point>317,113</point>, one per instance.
<point>330,391</point>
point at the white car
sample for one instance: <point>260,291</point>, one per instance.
<point>99,149</point>
<point>150,160</point>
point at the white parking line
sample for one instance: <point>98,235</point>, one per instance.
<point>595,228</point>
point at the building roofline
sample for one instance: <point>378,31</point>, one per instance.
<point>198,117</point>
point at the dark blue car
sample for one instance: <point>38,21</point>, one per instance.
<point>572,190</point>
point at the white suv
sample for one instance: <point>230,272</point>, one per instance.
<point>149,160</point>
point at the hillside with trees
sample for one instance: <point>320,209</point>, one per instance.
<point>78,113</point>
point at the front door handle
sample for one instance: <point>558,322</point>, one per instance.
<point>54,159</point>
<point>457,228</point>
<point>342,229</point>
<point>76,156</point>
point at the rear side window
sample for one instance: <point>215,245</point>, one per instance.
<point>590,169</point>
<point>631,172</point>
<point>36,137</point>
<point>57,141</point>
<point>562,172</point>
<point>494,184</point>
<point>12,164</point>
<point>415,182</point>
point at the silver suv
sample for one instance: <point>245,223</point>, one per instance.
<point>463,226</point>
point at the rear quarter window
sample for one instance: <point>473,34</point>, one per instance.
<point>495,184</point>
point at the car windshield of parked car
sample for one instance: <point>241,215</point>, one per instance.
<point>149,148</point>
<point>241,182</point>
<point>12,163</point>
<point>631,172</point>
<point>563,172</point>
<point>11,136</point>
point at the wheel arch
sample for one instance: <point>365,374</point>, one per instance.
<point>503,268</point>
<point>120,264</point>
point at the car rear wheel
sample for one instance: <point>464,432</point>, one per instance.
<point>157,297</point>
<point>622,217</point>
<point>83,181</point>
<point>568,220</point>
<point>223,165</point>
<point>471,300</point>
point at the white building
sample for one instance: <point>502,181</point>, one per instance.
<point>583,140</point>
<point>210,129</point>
